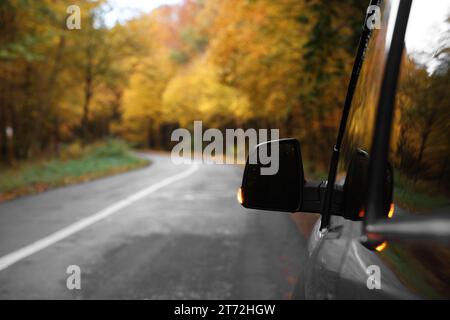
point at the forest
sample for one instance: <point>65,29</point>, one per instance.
<point>229,63</point>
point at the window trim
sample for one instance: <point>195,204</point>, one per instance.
<point>366,35</point>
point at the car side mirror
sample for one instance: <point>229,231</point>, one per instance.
<point>356,185</point>
<point>273,178</point>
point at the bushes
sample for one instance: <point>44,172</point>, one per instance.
<point>75,164</point>
<point>72,151</point>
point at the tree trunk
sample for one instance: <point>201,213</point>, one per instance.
<point>3,138</point>
<point>150,134</point>
<point>51,96</point>
<point>443,175</point>
<point>88,92</point>
<point>424,138</point>
<point>86,106</point>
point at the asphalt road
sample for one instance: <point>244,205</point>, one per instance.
<point>187,238</point>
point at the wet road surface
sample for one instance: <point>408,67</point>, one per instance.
<point>186,239</point>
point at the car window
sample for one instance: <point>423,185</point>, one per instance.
<point>361,121</point>
<point>420,147</point>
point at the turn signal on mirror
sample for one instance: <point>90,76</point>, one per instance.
<point>382,247</point>
<point>240,196</point>
<point>391,211</point>
<point>362,212</point>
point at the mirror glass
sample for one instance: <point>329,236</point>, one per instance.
<point>273,178</point>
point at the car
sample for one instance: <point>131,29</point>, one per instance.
<point>384,231</point>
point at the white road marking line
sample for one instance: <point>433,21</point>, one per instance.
<point>14,257</point>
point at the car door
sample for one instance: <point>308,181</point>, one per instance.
<point>331,239</point>
<point>411,256</point>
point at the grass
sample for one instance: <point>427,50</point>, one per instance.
<point>418,198</point>
<point>75,164</point>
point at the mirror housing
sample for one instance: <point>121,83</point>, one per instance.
<point>286,190</point>
<point>356,187</point>
<point>281,191</point>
